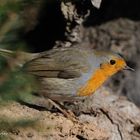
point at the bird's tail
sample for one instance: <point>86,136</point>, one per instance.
<point>6,53</point>
<point>19,56</point>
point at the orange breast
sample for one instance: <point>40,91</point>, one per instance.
<point>96,80</point>
<point>100,76</point>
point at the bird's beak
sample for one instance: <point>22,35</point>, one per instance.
<point>128,68</point>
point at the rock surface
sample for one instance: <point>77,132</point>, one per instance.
<point>102,116</point>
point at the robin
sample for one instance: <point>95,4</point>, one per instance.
<point>66,74</point>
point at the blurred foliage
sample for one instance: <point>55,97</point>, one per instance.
<point>3,64</point>
<point>14,14</point>
<point>14,126</point>
<point>16,17</point>
<point>17,86</point>
<point>9,126</point>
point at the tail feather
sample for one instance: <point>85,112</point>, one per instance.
<point>6,53</point>
<point>18,56</point>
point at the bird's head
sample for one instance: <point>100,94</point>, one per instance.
<point>111,63</point>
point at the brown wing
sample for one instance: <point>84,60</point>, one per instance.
<point>66,63</point>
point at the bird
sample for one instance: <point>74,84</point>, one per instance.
<point>69,73</point>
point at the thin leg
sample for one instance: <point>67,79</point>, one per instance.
<point>68,114</point>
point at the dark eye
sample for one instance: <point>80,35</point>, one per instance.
<point>112,62</point>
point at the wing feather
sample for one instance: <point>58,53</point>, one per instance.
<point>67,63</point>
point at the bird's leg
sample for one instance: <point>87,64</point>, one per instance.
<point>48,103</point>
<point>69,114</point>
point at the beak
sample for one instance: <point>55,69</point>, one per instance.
<point>128,68</point>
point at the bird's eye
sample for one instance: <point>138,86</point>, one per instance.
<point>112,62</point>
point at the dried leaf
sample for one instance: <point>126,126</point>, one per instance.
<point>96,3</point>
